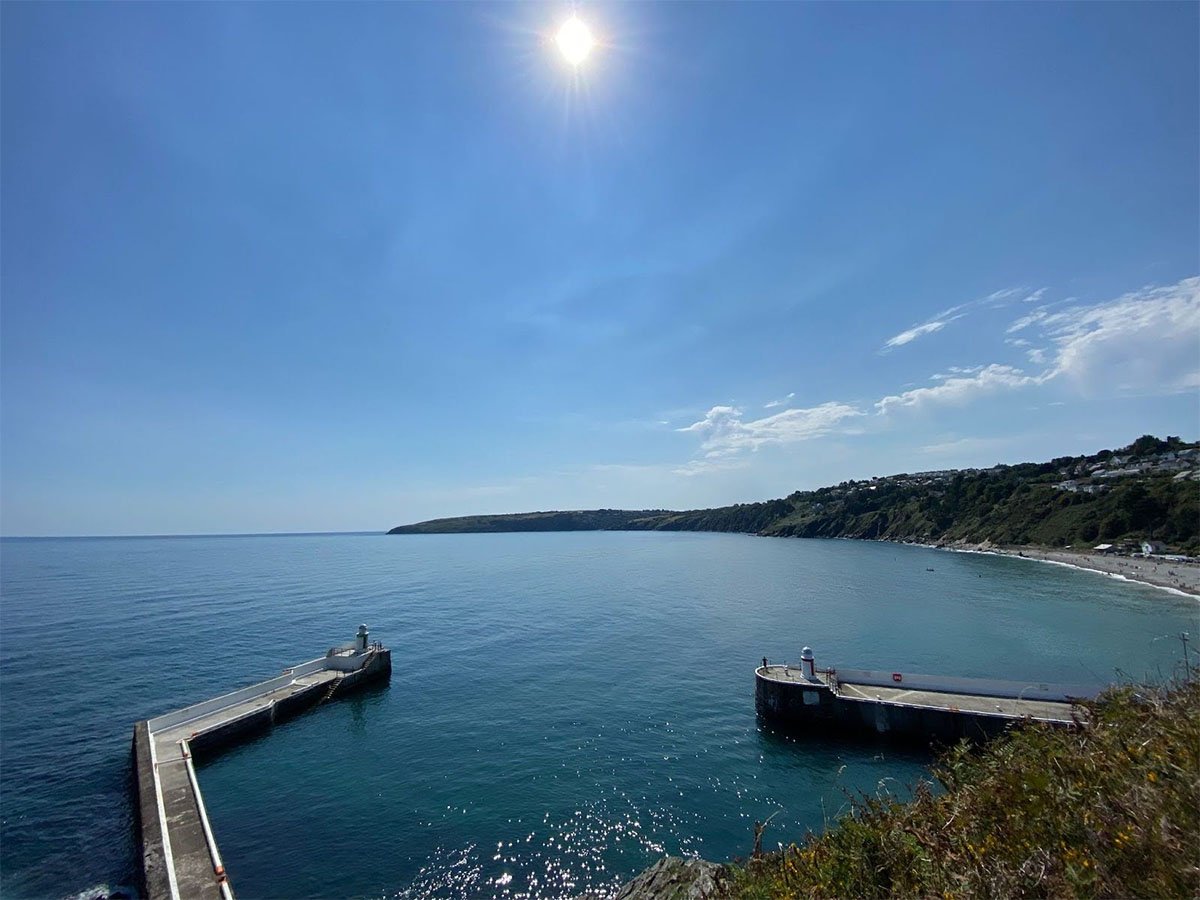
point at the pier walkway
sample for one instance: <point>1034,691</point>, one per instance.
<point>1012,708</point>
<point>180,858</point>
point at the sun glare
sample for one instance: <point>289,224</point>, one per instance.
<point>575,41</point>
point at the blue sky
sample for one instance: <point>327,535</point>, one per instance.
<point>286,267</point>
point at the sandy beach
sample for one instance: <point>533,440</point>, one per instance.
<point>1175,575</point>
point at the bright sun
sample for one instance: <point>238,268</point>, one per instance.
<point>575,41</point>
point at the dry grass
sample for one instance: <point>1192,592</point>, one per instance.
<point>1107,810</point>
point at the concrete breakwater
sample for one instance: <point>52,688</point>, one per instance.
<point>180,857</point>
<point>921,707</point>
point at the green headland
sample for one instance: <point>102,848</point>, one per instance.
<point>1147,491</point>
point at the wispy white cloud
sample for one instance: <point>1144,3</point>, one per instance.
<point>953,371</point>
<point>707,466</point>
<point>960,389</point>
<point>936,323</point>
<point>1025,321</point>
<point>713,418</point>
<point>968,445</point>
<point>907,337</point>
<point>783,402</point>
<point>727,434</point>
<point>1002,295</point>
<point>1040,314</point>
<point>1146,340</point>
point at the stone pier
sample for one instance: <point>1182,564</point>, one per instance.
<point>925,708</point>
<point>180,857</point>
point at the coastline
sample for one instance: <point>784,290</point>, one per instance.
<point>1181,578</point>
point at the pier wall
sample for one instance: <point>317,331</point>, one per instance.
<point>215,738</point>
<point>378,667</point>
<point>155,879</point>
<point>199,710</point>
<point>817,709</point>
<point>211,740</point>
<point>344,663</point>
<point>928,725</point>
<point>348,665</point>
<point>793,702</point>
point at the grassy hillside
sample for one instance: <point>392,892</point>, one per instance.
<point>1008,505</point>
<point>1144,491</point>
<point>1109,810</point>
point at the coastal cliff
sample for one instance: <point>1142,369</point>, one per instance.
<point>1146,491</point>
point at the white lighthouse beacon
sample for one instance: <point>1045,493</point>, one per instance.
<point>807,664</point>
<point>361,639</point>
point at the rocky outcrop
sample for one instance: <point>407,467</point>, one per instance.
<point>674,878</point>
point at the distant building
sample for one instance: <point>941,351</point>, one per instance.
<point>1151,547</point>
<point>1074,487</point>
<point>1103,548</point>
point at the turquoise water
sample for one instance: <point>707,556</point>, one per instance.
<point>563,707</point>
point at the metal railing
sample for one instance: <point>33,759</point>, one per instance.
<point>353,646</point>
<point>213,853</point>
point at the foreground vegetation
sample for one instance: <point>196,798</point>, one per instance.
<point>1027,503</point>
<point>1111,809</point>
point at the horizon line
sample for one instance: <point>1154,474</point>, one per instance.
<point>197,534</point>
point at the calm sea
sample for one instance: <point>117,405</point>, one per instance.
<point>563,709</point>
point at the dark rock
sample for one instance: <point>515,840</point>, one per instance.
<point>674,878</point>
